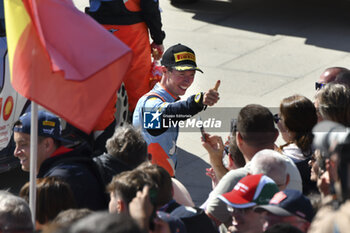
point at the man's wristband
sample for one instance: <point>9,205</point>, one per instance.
<point>198,98</point>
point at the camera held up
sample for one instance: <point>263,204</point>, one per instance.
<point>333,140</point>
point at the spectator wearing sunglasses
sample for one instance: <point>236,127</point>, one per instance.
<point>329,75</point>
<point>255,132</point>
<point>333,103</point>
<point>343,78</point>
<point>296,119</point>
<point>251,119</point>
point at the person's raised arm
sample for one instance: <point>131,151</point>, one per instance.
<point>141,208</point>
<point>215,147</point>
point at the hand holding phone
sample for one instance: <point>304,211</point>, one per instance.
<point>202,130</point>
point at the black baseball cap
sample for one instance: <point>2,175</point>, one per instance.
<point>180,58</point>
<point>288,203</point>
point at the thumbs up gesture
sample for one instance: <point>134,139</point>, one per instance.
<point>211,97</point>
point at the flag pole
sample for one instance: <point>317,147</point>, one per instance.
<point>33,159</point>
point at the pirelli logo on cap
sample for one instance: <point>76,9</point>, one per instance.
<point>183,68</point>
<point>183,56</point>
<point>49,123</point>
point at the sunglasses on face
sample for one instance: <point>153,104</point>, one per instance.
<point>276,118</point>
<point>318,86</point>
<point>233,126</point>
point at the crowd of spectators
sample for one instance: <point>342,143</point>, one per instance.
<point>264,187</point>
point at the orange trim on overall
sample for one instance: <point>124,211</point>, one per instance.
<point>133,5</point>
<point>155,94</point>
<point>160,158</point>
<point>176,98</point>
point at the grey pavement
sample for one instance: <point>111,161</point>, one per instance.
<point>262,51</point>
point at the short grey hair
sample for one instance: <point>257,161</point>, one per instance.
<point>15,213</point>
<point>128,145</point>
<point>270,163</point>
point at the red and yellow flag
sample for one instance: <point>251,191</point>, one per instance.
<point>62,59</point>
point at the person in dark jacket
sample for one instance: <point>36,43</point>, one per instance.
<point>194,218</point>
<point>126,150</point>
<point>73,165</point>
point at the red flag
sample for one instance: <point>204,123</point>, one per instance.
<point>63,59</point>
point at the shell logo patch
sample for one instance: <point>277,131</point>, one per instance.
<point>49,123</point>
<point>183,56</point>
<point>8,107</point>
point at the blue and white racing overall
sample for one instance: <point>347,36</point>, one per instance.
<point>162,105</point>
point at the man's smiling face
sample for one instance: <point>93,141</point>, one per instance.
<point>22,150</point>
<point>177,82</point>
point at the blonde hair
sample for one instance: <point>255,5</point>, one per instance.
<point>334,103</point>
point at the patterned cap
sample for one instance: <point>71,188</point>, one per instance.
<point>250,191</point>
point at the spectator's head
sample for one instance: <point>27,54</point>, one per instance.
<point>179,68</point>
<point>297,118</point>
<point>255,130</point>
<point>163,180</point>
<point>15,215</point>
<point>124,186</point>
<point>235,156</point>
<point>175,224</point>
<point>332,103</point>
<point>289,206</point>
<point>53,195</point>
<point>317,169</point>
<point>128,145</point>
<point>67,217</point>
<point>271,164</point>
<point>250,191</point>
<point>343,78</point>
<point>328,75</point>
<point>103,222</point>
<point>49,137</point>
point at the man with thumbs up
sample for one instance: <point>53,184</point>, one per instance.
<point>159,112</point>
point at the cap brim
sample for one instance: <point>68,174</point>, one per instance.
<point>236,201</point>
<point>186,67</point>
<point>276,210</point>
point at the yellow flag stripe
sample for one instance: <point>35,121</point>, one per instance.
<point>16,20</point>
